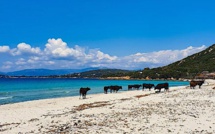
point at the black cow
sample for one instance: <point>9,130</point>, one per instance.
<point>193,83</point>
<point>83,92</point>
<point>115,88</point>
<point>135,86</point>
<point>130,87</point>
<point>149,86</point>
<point>162,85</point>
<point>106,89</point>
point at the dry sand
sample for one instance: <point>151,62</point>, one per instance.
<point>181,110</point>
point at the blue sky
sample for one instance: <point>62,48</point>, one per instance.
<point>127,34</point>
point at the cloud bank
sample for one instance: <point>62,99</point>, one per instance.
<point>57,54</point>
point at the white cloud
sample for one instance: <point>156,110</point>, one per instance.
<point>7,65</point>
<point>163,57</point>
<point>57,54</point>
<point>24,48</point>
<point>191,50</point>
<point>33,59</point>
<point>20,61</point>
<point>4,49</point>
<point>58,48</point>
<point>79,56</point>
<point>50,62</point>
<point>98,56</point>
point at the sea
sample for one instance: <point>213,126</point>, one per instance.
<point>14,90</point>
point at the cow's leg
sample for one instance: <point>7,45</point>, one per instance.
<point>166,89</point>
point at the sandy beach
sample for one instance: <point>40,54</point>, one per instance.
<point>181,110</point>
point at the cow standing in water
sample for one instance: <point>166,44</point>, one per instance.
<point>83,92</point>
<point>115,88</point>
<point>162,85</point>
<point>193,83</point>
<point>135,86</point>
<point>130,87</point>
<point>149,86</point>
<point>106,89</point>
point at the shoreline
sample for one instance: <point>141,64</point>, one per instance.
<point>94,95</point>
<point>88,78</point>
<point>109,113</point>
<point>89,94</point>
<point>10,97</point>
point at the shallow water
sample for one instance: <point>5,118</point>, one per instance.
<point>27,89</point>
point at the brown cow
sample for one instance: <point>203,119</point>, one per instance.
<point>193,83</point>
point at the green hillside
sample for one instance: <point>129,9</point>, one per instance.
<point>186,68</point>
<point>100,73</point>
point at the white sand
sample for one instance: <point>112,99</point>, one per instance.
<point>182,110</point>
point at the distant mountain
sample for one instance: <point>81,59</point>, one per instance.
<point>46,72</point>
<point>98,73</point>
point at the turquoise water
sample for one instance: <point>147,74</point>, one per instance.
<point>25,89</point>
